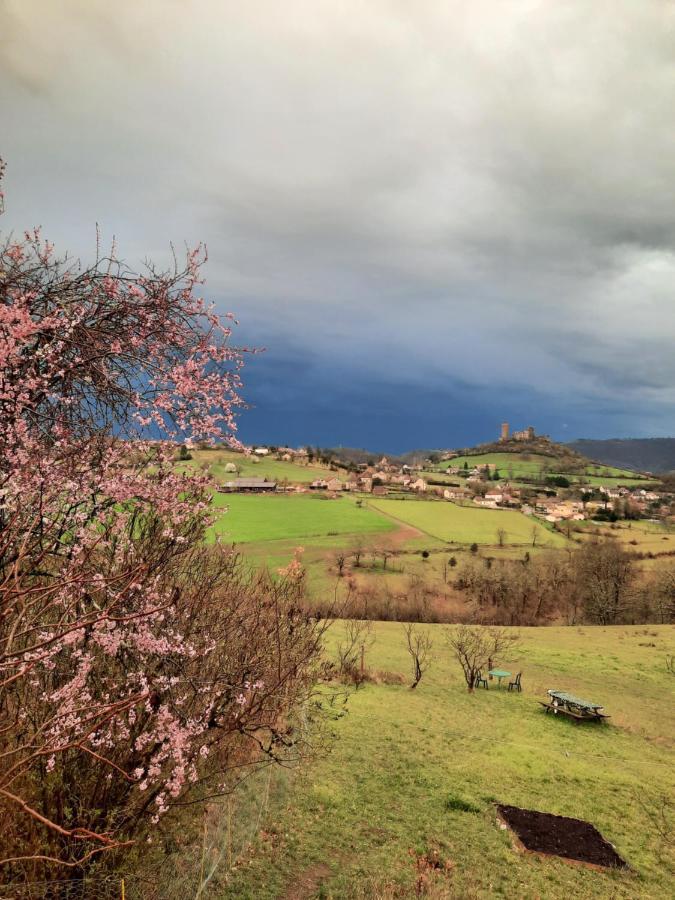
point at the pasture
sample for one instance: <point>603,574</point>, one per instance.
<point>413,773</point>
<point>466,525</point>
<point>244,518</point>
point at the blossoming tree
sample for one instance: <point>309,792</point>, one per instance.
<point>137,662</point>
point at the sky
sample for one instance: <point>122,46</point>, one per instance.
<point>435,216</point>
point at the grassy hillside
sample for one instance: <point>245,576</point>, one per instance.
<point>256,467</point>
<point>352,822</point>
<point>464,524</point>
<point>531,465</point>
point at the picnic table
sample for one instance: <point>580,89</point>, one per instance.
<point>499,673</point>
<point>574,707</point>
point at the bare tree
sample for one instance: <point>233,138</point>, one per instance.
<point>604,581</point>
<point>660,812</point>
<point>662,594</point>
<point>358,549</point>
<point>385,553</point>
<point>501,536</point>
<point>340,562</point>
<point>474,646</point>
<point>358,638</point>
<point>534,533</point>
<point>419,647</point>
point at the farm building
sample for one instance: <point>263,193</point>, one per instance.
<point>248,485</point>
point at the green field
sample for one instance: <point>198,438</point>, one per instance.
<point>351,822</point>
<point>597,480</point>
<point>464,524</point>
<point>530,465</point>
<point>252,518</point>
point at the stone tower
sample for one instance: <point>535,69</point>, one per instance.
<point>505,432</point>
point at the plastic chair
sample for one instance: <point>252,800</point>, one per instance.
<point>515,685</point>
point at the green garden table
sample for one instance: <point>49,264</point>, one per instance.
<point>499,673</point>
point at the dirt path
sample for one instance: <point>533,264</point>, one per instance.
<point>307,883</point>
<point>406,527</point>
<point>396,539</point>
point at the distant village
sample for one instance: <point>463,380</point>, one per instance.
<point>555,498</point>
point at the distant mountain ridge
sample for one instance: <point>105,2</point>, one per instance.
<point>642,454</point>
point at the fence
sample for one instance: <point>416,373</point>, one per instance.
<point>106,887</point>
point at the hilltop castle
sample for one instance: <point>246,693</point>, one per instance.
<point>527,434</point>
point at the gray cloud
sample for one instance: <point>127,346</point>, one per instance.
<point>428,191</point>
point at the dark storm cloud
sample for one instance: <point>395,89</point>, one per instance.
<point>425,195</point>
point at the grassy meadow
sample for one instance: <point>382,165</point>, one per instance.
<point>248,518</point>
<point>351,822</point>
<point>465,524</point>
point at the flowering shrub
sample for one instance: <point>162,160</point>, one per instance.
<point>136,663</point>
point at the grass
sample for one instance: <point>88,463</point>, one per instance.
<point>531,465</point>
<point>639,536</point>
<point>258,467</point>
<point>511,464</point>
<point>410,772</point>
<point>463,524</point>
<point>607,481</point>
<point>251,518</point>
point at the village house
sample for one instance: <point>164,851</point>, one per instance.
<point>555,510</point>
<point>261,451</point>
<point>647,495</point>
<point>403,480</point>
<point>352,482</point>
<point>483,501</point>
<point>319,484</point>
<point>456,494</point>
<point>334,484</point>
<point>419,485</point>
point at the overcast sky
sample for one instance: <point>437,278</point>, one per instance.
<point>434,215</point>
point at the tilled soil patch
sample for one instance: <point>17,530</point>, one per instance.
<point>561,836</point>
